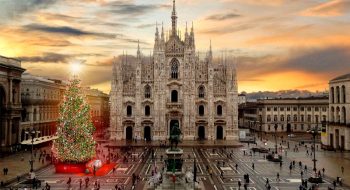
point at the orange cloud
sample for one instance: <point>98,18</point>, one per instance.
<point>331,8</point>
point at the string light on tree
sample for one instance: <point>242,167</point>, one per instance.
<point>75,141</point>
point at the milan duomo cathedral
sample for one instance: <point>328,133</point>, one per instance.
<point>150,95</point>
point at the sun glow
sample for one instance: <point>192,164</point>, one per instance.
<point>75,68</point>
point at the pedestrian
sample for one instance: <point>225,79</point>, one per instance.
<point>342,170</point>
<point>80,182</point>
<point>18,178</point>
<point>245,186</point>
<point>301,173</point>
<point>69,181</point>
<point>236,166</point>
<point>290,168</point>
<point>47,186</point>
<point>278,176</point>
<point>253,166</point>
<point>267,181</point>
<point>280,164</point>
<point>323,170</point>
<point>305,168</point>
<point>334,184</point>
<point>87,182</point>
<point>113,170</point>
<point>239,183</point>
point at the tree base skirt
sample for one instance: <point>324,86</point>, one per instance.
<point>70,168</point>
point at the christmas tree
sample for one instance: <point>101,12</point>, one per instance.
<point>75,142</point>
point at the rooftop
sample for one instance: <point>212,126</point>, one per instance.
<point>342,77</point>
<point>10,61</point>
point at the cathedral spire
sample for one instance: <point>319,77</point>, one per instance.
<point>174,19</point>
<point>138,49</point>
<point>210,56</point>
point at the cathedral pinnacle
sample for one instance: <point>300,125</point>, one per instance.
<point>174,19</point>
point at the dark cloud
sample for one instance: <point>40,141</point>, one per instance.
<point>10,9</point>
<point>145,25</point>
<point>65,30</point>
<point>47,58</point>
<point>224,16</point>
<point>132,9</point>
<point>50,57</point>
<point>330,62</point>
<point>320,60</point>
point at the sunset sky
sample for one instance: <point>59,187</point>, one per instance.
<point>278,44</point>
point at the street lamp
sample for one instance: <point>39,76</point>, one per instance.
<point>276,126</point>
<point>32,133</point>
<point>314,134</point>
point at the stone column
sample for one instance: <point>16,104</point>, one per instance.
<point>10,90</point>
<point>9,132</point>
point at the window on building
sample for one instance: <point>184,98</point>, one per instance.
<point>275,109</point>
<point>295,127</point>
<point>268,109</point>
<point>302,118</point>
<point>201,110</point>
<point>282,127</point>
<point>147,91</point>
<point>219,110</point>
<point>269,128</point>
<point>332,95</point>
<point>288,108</point>
<point>309,118</point>
<point>128,110</point>
<point>268,118</point>
<point>344,94</point>
<point>316,118</point>
<point>302,127</point>
<point>308,108</point>
<point>338,94</point>
<point>281,108</point>
<point>324,109</point>
<point>295,117</point>
<point>174,96</point>
<point>316,109</point>
<point>275,118</point>
<point>288,118</point>
<point>282,117</point>
<point>324,118</point>
<point>301,108</point>
<point>201,92</point>
<point>295,108</point>
<point>147,111</point>
<point>174,69</point>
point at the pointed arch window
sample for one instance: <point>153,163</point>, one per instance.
<point>128,111</point>
<point>147,111</point>
<point>201,92</point>
<point>147,91</point>
<point>219,110</point>
<point>174,69</point>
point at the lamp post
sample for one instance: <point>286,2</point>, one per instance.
<point>32,133</point>
<point>276,126</point>
<point>314,134</point>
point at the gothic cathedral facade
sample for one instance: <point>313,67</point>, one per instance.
<point>150,95</point>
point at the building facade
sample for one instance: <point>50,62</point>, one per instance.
<point>41,98</point>
<point>10,101</point>
<point>247,115</point>
<point>173,87</point>
<point>338,129</point>
<point>99,109</point>
<point>291,114</point>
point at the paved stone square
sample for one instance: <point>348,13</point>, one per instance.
<point>219,162</point>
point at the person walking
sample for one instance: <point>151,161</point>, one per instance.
<point>69,181</point>
<point>342,170</point>
<point>239,183</point>
<point>87,182</point>
<point>278,177</point>
<point>253,166</point>
<point>323,170</point>
<point>80,183</point>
